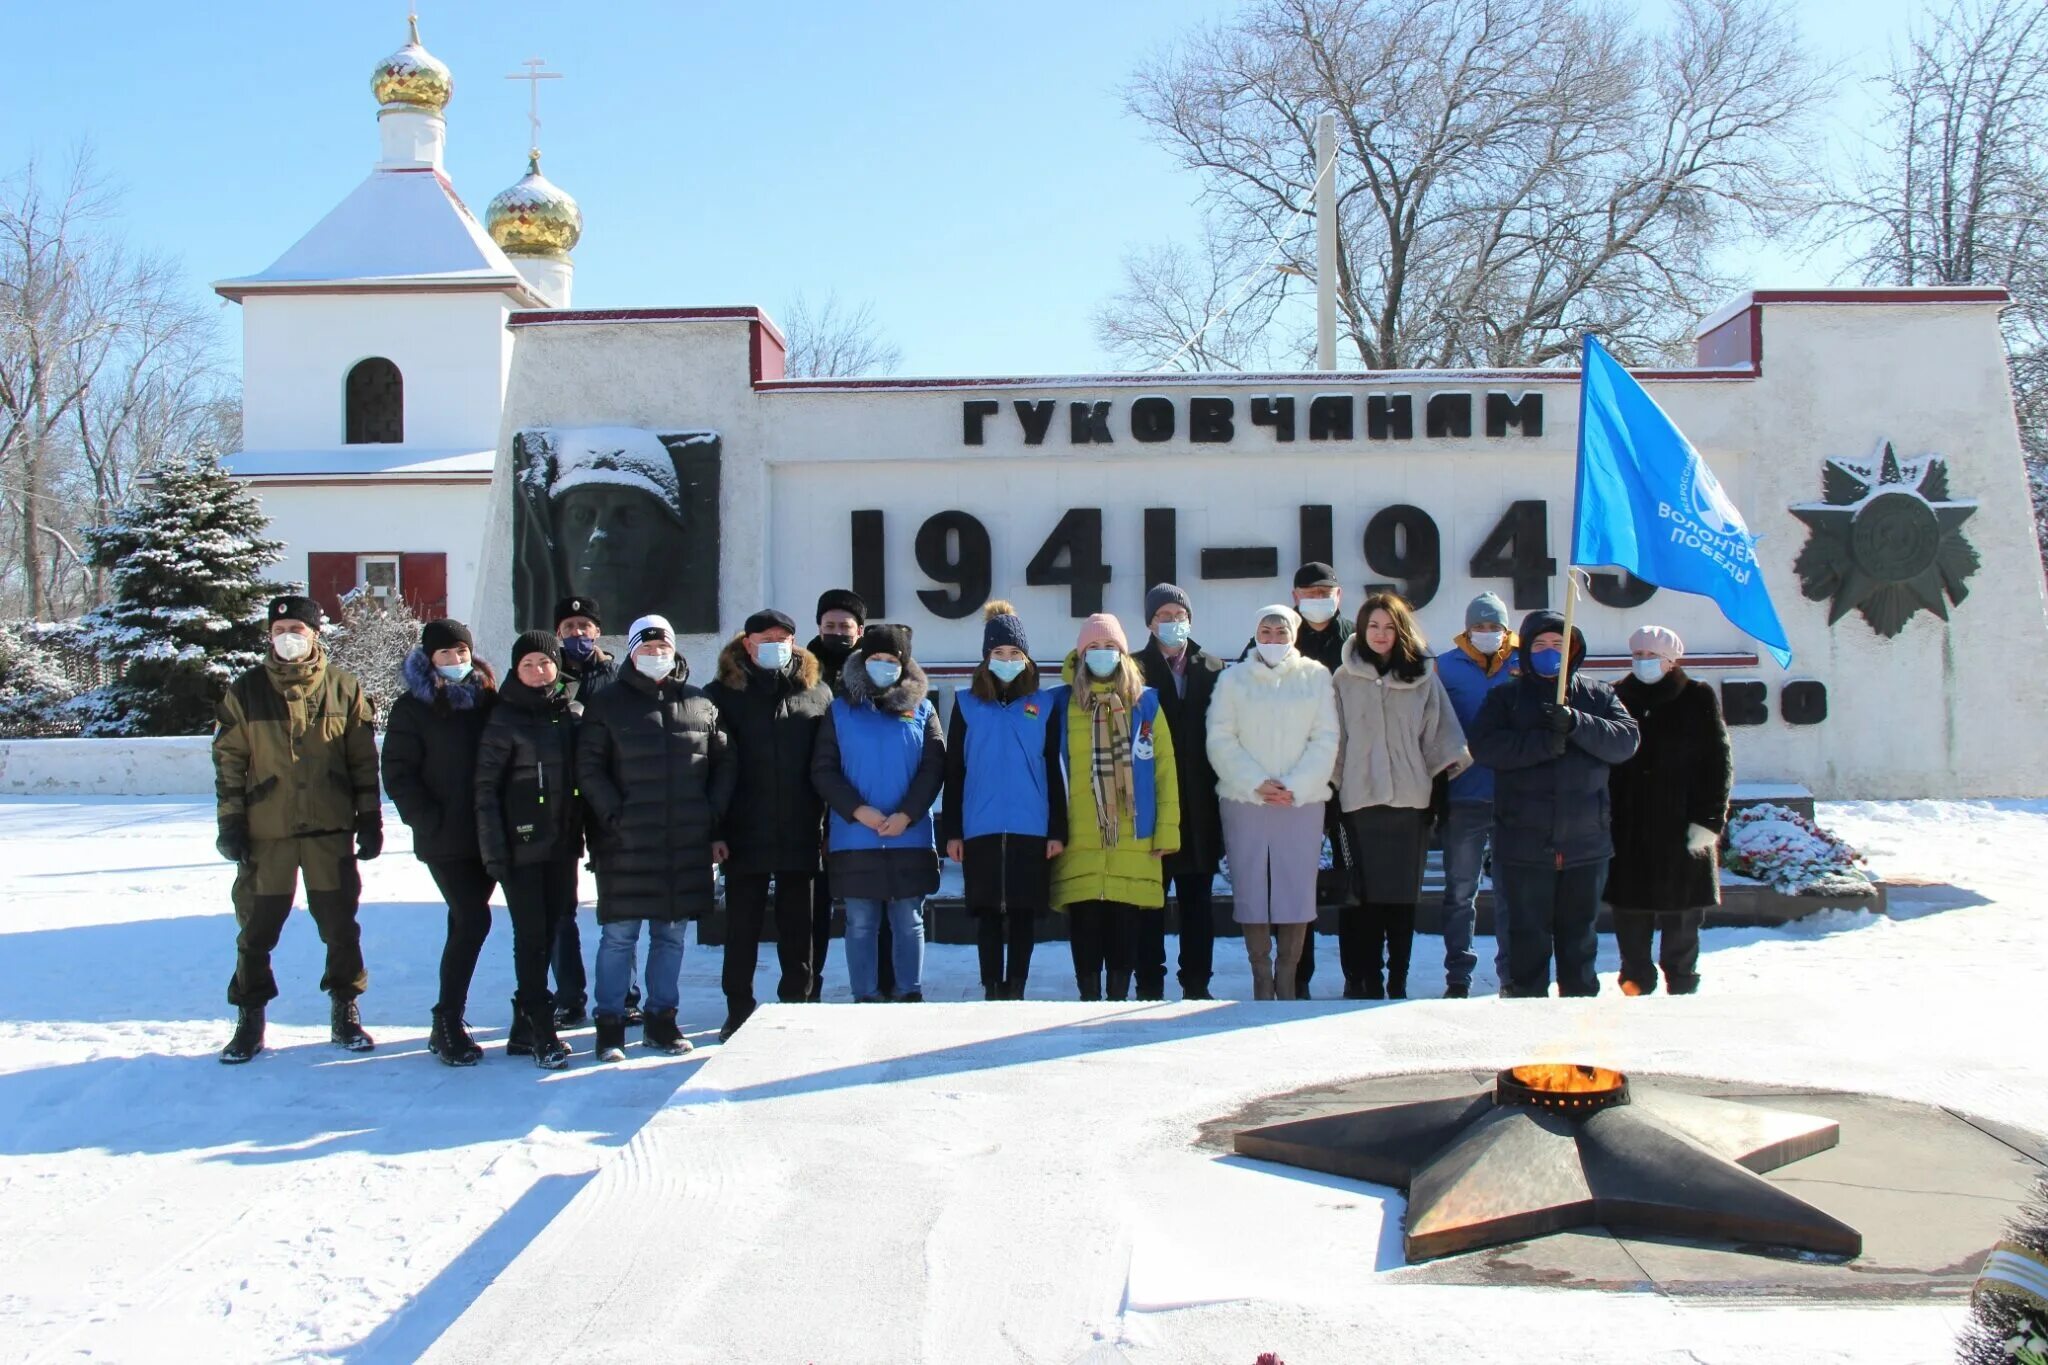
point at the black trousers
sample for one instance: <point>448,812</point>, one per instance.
<point>995,930</point>
<point>538,899</point>
<point>1333,889</point>
<point>1365,932</point>
<point>572,981</point>
<point>1148,954</point>
<point>265,883</point>
<point>746,913</point>
<point>1196,895</point>
<point>1553,910</point>
<point>1104,936</point>
<point>821,941</point>
<point>1679,954</point>
<point>466,887</point>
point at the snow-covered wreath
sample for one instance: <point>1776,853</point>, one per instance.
<point>1778,845</point>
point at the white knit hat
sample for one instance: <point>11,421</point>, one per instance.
<point>1284,613</point>
<point>1661,641</point>
<point>649,628</point>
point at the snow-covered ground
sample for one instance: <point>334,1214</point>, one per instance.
<point>157,1206</point>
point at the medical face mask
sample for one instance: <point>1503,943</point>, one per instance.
<point>1317,609</point>
<point>1174,634</point>
<point>1273,653</point>
<point>655,666</point>
<point>884,672</point>
<point>1486,641</point>
<point>1102,662</point>
<point>452,672</point>
<point>1546,662</point>
<point>1649,670</point>
<point>579,649</point>
<point>774,655</point>
<point>292,648</point>
<point>1007,670</point>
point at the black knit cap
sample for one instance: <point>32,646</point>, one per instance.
<point>843,599</point>
<point>445,633</point>
<point>578,606</point>
<point>1315,574</point>
<point>769,619</point>
<point>1003,628</point>
<point>886,638</point>
<point>537,642</point>
<point>292,607</point>
<point>1165,595</point>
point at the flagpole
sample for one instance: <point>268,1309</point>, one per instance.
<point>1571,598</point>
<point>1571,583</point>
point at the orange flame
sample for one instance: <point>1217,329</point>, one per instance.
<point>1567,1078</point>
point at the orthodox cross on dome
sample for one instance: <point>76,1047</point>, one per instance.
<point>533,76</point>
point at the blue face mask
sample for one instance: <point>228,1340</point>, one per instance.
<point>773,655</point>
<point>884,672</point>
<point>579,649</point>
<point>1173,634</point>
<point>452,672</point>
<point>1102,662</point>
<point>1546,662</point>
<point>1007,670</point>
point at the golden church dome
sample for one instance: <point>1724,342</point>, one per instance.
<point>413,78</point>
<point>535,217</point>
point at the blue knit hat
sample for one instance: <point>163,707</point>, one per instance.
<point>1002,626</point>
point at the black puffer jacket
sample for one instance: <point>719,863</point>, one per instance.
<point>592,678</point>
<point>430,747</point>
<point>1681,775</point>
<point>771,724</point>
<point>831,662</point>
<point>1551,812</point>
<point>1187,717</point>
<point>527,810</point>
<point>652,765</point>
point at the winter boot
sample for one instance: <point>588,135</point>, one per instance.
<point>998,991</point>
<point>1354,989</point>
<point>1371,988</point>
<point>1458,990</point>
<point>1089,986</point>
<point>347,1032</point>
<point>519,1038</point>
<point>450,1041</point>
<point>1119,986</point>
<point>1397,986</point>
<point>571,1014</point>
<point>734,1020</point>
<point>550,1053</point>
<point>611,1039</point>
<point>248,1039</point>
<point>633,1014</point>
<point>910,998</point>
<point>1013,989</point>
<point>659,1032</point>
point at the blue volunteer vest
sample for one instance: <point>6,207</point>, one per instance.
<point>1145,724</point>
<point>879,754</point>
<point>1005,790</point>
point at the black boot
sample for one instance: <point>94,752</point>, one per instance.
<point>1119,986</point>
<point>611,1039</point>
<point>1090,988</point>
<point>1458,990</point>
<point>1013,989</point>
<point>1397,986</point>
<point>519,1038</point>
<point>734,1019</point>
<point>659,1032</point>
<point>571,1014</point>
<point>633,1014</point>
<point>1354,989</point>
<point>450,1041</point>
<point>348,1032</point>
<point>998,991</point>
<point>550,1053</point>
<point>248,1039</point>
<point>1369,988</point>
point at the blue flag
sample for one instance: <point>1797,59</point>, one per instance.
<point>1648,503</point>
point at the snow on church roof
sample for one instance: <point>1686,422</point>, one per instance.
<point>402,228</point>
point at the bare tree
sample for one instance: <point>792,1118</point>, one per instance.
<point>834,339</point>
<point>1198,311</point>
<point>1954,189</point>
<point>1511,173</point>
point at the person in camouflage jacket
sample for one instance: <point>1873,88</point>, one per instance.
<point>295,787</point>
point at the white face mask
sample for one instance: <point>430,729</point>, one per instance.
<point>1486,641</point>
<point>292,647</point>
<point>1103,662</point>
<point>1317,609</point>
<point>655,666</point>
<point>1273,653</point>
<point>773,654</point>
<point>1649,670</point>
<point>1173,634</point>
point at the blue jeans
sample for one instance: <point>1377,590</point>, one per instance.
<point>615,951</point>
<point>1467,829</point>
<point>863,955</point>
<point>1554,911</point>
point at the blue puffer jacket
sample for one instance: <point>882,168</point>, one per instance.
<point>1468,683</point>
<point>1551,812</point>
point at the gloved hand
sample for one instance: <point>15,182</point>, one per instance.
<point>1699,839</point>
<point>1558,744</point>
<point>233,841</point>
<point>1559,719</point>
<point>369,836</point>
<point>498,872</point>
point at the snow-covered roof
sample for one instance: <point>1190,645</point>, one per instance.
<point>402,228</point>
<point>383,461</point>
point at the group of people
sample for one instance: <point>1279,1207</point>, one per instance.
<point>821,774</point>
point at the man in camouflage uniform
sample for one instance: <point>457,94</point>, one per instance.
<point>295,783</point>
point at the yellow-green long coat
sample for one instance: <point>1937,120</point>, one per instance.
<point>1128,873</point>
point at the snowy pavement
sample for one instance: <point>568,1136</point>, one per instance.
<point>951,1183</point>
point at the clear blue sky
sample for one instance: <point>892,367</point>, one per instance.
<point>967,168</point>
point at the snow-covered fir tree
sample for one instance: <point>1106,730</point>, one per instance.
<point>34,687</point>
<point>371,641</point>
<point>185,560</point>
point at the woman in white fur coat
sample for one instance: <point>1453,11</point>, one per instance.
<point>1273,743</point>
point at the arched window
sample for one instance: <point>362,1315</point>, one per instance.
<point>376,403</point>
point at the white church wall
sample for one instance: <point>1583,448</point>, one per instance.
<point>298,349</point>
<point>395,518</point>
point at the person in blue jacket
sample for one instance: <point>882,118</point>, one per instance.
<point>879,764</point>
<point>1004,818</point>
<point>1476,664</point>
<point>1551,821</point>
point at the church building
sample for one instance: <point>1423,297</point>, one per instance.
<point>375,356</point>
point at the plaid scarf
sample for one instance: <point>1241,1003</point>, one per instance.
<point>1110,771</point>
